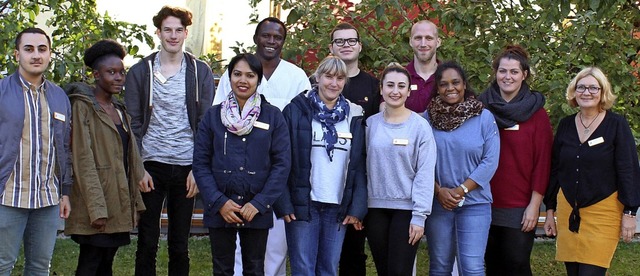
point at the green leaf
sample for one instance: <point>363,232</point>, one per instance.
<point>293,17</point>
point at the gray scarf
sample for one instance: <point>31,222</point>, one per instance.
<point>518,110</point>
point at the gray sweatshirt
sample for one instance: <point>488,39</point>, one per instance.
<point>401,161</point>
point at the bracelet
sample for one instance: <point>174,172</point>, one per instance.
<point>464,188</point>
<point>629,215</point>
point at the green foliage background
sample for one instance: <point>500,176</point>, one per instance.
<point>76,25</point>
<point>562,37</point>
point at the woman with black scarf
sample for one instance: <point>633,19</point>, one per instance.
<point>522,177</point>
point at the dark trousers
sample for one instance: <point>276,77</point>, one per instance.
<point>580,269</point>
<point>388,236</point>
<point>170,183</point>
<point>94,260</point>
<point>353,259</point>
<point>253,245</point>
<point>509,251</point>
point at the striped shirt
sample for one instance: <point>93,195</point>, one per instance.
<point>32,183</point>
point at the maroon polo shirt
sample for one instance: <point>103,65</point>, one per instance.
<point>421,90</point>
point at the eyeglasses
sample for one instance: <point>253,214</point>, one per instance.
<point>340,41</point>
<point>591,89</point>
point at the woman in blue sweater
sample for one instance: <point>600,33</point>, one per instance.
<point>241,162</point>
<point>468,151</point>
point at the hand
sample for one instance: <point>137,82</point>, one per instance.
<point>530,217</point>
<point>65,207</point>
<point>628,228</point>
<point>99,224</point>
<point>289,218</point>
<point>415,233</point>
<point>146,184</point>
<point>357,224</point>
<point>550,224</point>
<point>448,198</point>
<point>248,211</point>
<point>192,188</point>
<point>229,210</point>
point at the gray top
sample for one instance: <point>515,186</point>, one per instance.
<point>169,138</point>
<point>401,162</point>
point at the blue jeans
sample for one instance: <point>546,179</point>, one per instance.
<point>37,228</point>
<point>315,245</point>
<point>461,233</point>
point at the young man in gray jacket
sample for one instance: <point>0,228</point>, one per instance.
<point>166,94</point>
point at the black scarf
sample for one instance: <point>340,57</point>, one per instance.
<point>519,109</point>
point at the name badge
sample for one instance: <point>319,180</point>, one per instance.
<point>261,125</point>
<point>59,116</point>
<point>596,141</point>
<point>516,127</point>
<point>414,87</point>
<point>160,77</point>
<point>345,135</point>
<point>401,142</point>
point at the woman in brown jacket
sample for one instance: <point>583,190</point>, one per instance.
<point>106,163</point>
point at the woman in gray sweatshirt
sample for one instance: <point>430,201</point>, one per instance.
<point>401,157</point>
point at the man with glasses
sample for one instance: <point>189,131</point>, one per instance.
<point>362,89</point>
<point>281,81</point>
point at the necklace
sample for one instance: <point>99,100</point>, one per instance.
<point>587,127</point>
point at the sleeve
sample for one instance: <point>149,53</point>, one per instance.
<point>542,153</point>
<point>202,167</point>
<point>86,176</point>
<point>551,196</point>
<point>283,205</point>
<point>280,156</point>
<point>136,170</point>
<point>483,173</point>
<point>422,190</point>
<point>67,176</point>
<point>134,89</point>
<point>627,168</point>
<point>224,87</point>
<point>303,82</point>
<point>359,207</point>
<point>207,89</point>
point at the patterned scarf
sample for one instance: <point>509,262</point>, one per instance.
<point>236,123</point>
<point>328,118</point>
<point>449,117</point>
<point>518,110</point>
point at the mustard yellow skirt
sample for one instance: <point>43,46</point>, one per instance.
<point>599,233</point>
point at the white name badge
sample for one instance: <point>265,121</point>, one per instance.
<point>160,77</point>
<point>596,141</point>
<point>345,135</point>
<point>261,125</point>
<point>401,142</point>
<point>414,87</point>
<point>516,127</point>
<point>59,116</point>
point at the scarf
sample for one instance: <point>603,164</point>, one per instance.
<point>519,109</point>
<point>449,117</point>
<point>328,118</point>
<point>236,123</point>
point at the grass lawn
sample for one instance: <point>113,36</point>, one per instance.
<point>625,261</point>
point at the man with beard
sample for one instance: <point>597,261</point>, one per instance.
<point>166,94</point>
<point>281,82</point>
<point>425,42</point>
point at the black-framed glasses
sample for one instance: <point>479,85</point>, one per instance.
<point>340,41</point>
<point>591,89</point>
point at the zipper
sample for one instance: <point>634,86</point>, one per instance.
<point>225,143</point>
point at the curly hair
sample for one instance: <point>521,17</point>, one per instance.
<point>183,14</point>
<point>102,49</point>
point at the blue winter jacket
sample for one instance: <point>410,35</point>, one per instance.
<point>246,169</point>
<point>12,121</point>
<point>296,199</point>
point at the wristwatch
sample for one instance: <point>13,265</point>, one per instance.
<point>464,188</point>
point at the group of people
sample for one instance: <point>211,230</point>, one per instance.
<point>312,172</point>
